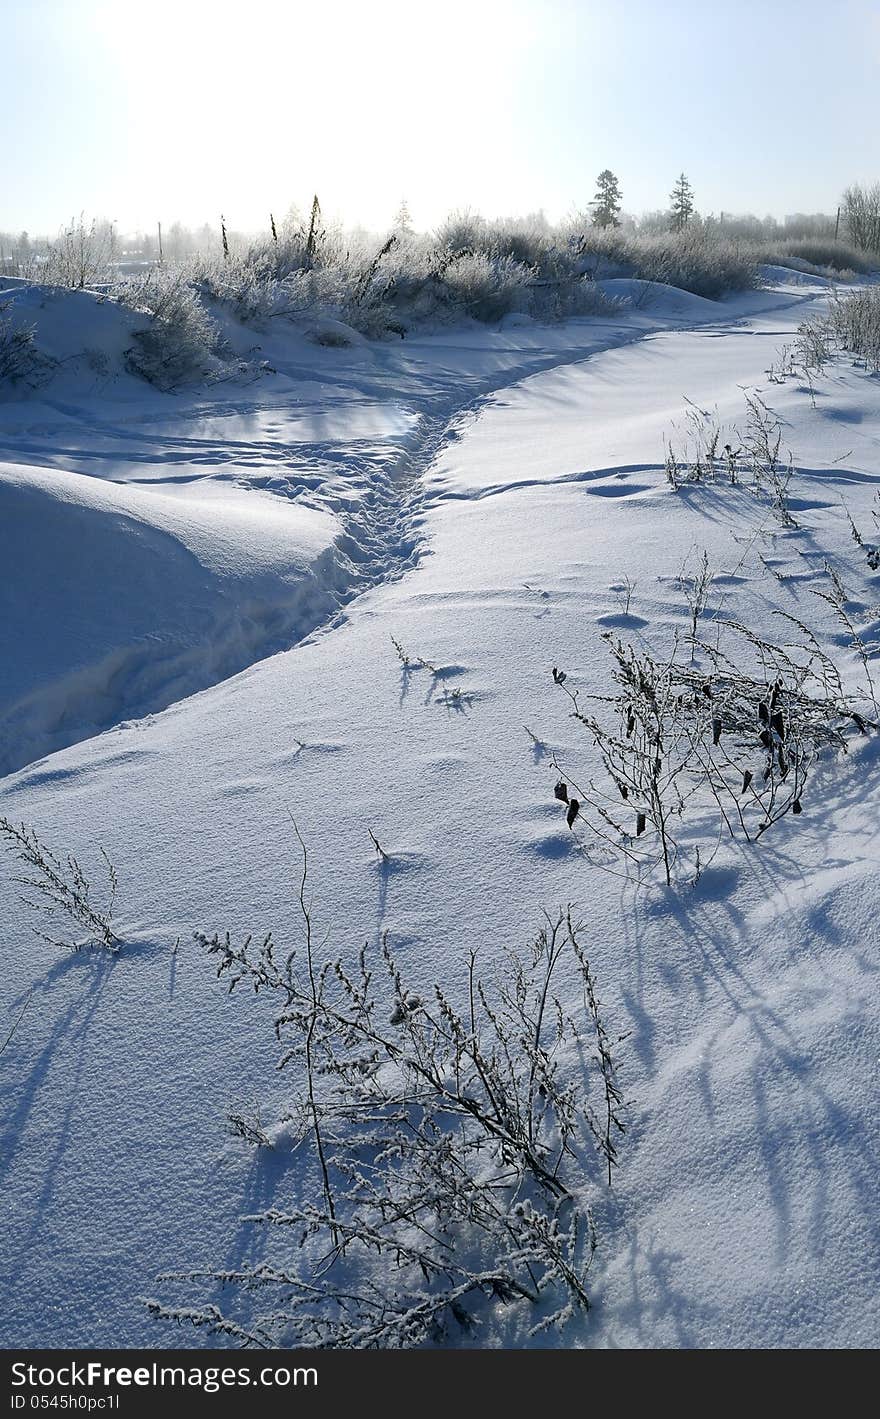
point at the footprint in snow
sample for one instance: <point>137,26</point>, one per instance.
<point>622,621</point>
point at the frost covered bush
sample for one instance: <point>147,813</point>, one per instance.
<point>450,1142</point>
<point>602,251</point>
<point>853,323</point>
<point>248,284</point>
<point>690,748</point>
<point>462,232</point>
<point>345,280</point>
<point>18,353</point>
<point>529,240</point>
<point>81,256</point>
<point>470,269</point>
<point>57,888</point>
<point>819,256</point>
<point>694,261</point>
<point>382,287</point>
<point>181,343</point>
<point>487,287</point>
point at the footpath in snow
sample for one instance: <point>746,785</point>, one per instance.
<point>137,570</point>
<point>495,503</point>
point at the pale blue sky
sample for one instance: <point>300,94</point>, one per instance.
<point>183,108</point>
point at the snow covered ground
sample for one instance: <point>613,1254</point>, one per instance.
<point>214,579</point>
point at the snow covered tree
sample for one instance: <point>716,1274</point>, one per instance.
<point>682,199</point>
<point>861,213</point>
<point>607,201</point>
<point>403,221</point>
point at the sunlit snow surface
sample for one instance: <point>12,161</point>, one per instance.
<point>481,497</point>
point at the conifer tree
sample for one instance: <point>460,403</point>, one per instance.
<point>403,221</point>
<point>682,199</point>
<point>607,201</point>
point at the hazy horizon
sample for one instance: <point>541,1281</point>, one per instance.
<point>180,112</point>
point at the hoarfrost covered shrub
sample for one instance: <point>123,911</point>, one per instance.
<point>601,251</point>
<point>346,280</point>
<point>60,888</point>
<point>450,1146</point>
<point>750,454</point>
<point>695,261</point>
<point>819,256</point>
<point>461,232</point>
<point>688,749</point>
<point>529,240</point>
<point>181,342</point>
<point>854,323</point>
<point>386,287</point>
<point>470,268</point>
<point>487,287</point>
<point>18,353</point>
<point>248,284</point>
<point>82,255</point>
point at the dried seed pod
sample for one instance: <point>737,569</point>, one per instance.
<point>777,724</point>
<point>558,676</point>
<point>747,778</point>
<point>763,713</point>
<point>560,791</point>
<point>574,808</point>
<point>783,763</point>
<point>630,724</point>
<point>796,806</point>
<point>707,691</point>
<point>859,722</point>
<point>716,731</point>
<point>641,824</point>
<point>624,791</point>
<point>766,738</point>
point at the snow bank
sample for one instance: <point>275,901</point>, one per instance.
<point>789,276</point>
<point>121,599</point>
<point>81,335</point>
<point>661,300</point>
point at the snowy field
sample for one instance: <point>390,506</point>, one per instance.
<point>202,592</point>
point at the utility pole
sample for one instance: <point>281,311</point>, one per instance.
<point>837,225</point>
<point>160,243</point>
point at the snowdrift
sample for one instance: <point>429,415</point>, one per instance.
<point>80,336</point>
<point>789,276</point>
<point>121,599</point>
<point>661,300</point>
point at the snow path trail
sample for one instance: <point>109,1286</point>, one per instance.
<point>745,1209</point>
<point>350,442</point>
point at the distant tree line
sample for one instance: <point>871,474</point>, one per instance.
<point>858,217</point>
<point>83,246</point>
